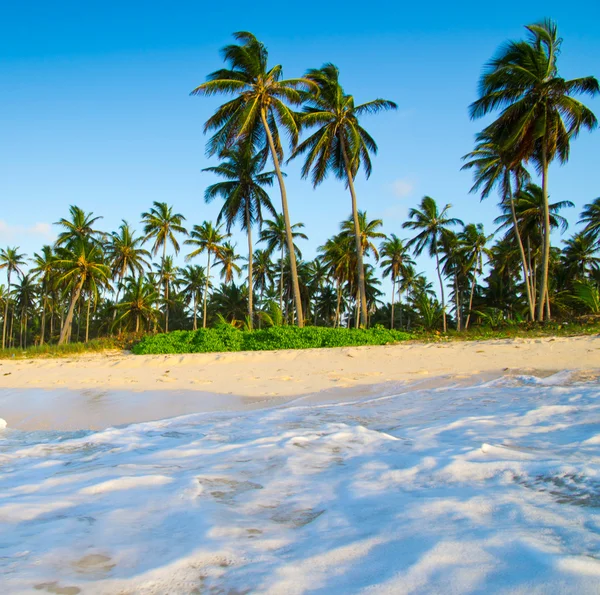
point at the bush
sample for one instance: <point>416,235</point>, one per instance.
<point>228,338</point>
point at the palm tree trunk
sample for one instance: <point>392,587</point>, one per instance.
<point>471,299</point>
<point>548,313</point>
<point>457,303</point>
<point>195,310</point>
<point>393,294</point>
<point>10,330</point>
<point>286,218</point>
<point>250,279</point>
<point>137,323</point>
<point>281,280</point>
<point>6,309</point>
<point>546,252</point>
<point>439,274</point>
<point>25,331</point>
<point>166,292</point>
<point>530,299</point>
<point>87,322</point>
<point>43,323</point>
<point>338,305</point>
<point>357,237</point>
<point>21,330</point>
<point>206,291</point>
<point>69,319</point>
<point>357,311</point>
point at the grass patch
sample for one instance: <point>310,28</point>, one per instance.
<point>41,351</point>
<point>227,338</point>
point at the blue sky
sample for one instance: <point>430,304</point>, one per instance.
<point>95,107</point>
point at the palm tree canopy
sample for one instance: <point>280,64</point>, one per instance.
<point>125,252</point>
<point>335,114</point>
<point>538,111</point>
<point>274,234</point>
<point>161,224</point>
<point>11,260</point>
<point>368,232</point>
<point>206,238</point>
<point>243,192</point>
<point>591,217</point>
<point>79,227</point>
<point>257,89</point>
<point>430,223</point>
<point>395,258</point>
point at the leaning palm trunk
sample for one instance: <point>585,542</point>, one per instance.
<point>250,288</point>
<point>66,328</point>
<point>546,252</point>
<point>6,312</point>
<point>393,294</point>
<point>336,322</point>
<point>43,323</point>
<point>87,320</point>
<point>457,304</point>
<point>206,290</point>
<point>357,236</point>
<point>286,217</point>
<point>439,274</point>
<point>471,300</point>
<point>526,269</point>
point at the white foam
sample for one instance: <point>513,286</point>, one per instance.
<point>494,488</point>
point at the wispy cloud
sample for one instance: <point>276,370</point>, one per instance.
<point>14,233</point>
<point>402,187</point>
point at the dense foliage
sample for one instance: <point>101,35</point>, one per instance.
<point>224,337</point>
<point>92,283</point>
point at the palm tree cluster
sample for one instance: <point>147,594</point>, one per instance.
<point>91,283</point>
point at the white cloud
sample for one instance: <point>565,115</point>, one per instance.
<point>402,187</point>
<point>16,233</point>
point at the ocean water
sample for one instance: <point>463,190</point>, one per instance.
<point>491,488</point>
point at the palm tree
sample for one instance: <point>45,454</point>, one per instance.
<point>367,231</point>
<point>161,224</point>
<point>340,145</point>
<point>431,223</point>
<point>192,281</point>
<point>229,301</point>
<point>495,167</point>
<point>262,272</point>
<point>473,240</point>
<point>79,227</point>
<point>579,255</point>
<point>209,239</point>
<point>138,303</point>
<point>591,217</point>
<point>338,256</point>
<point>125,253</point>
<point>244,196</point>
<point>11,260</point>
<point>258,109</point>
<point>539,114</point>
<point>228,259</point>
<point>45,269</point>
<point>275,235</point>
<point>395,260</point>
<point>82,262</point>
<point>25,295</point>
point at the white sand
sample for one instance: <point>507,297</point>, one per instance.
<point>95,391</point>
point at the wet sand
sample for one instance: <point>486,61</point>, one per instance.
<point>101,390</point>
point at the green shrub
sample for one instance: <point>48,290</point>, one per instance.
<point>228,338</point>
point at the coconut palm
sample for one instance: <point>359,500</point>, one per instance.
<point>44,269</point>
<point>395,260</point>
<point>25,293</point>
<point>338,257</point>
<point>126,255</point>
<point>161,224</point>
<point>497,168</point>
<point>81,263</point>
<point>368,231</point>
<point>591,217</point>
<point>207,238</point>
<point>244,196</point>
<point>430,223</point>
<point>138,302</point>
<point>192,280</point>
<point>339,145</point>
<point>275,234</point>
<point>79,227</point>
<point>580,255</point>
<point>12,261</point>
<point>539,114</point>
<point>228,260</point>
<point>259,107</point>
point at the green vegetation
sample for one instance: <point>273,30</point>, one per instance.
<point>227,338</point>
<point>64,350</point>
<point>92,284</point>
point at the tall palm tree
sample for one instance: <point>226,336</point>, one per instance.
<point>395,261</point>
<point>338,256</point>
<point>138,303</point>
<point>340,145</point>
<point>228,259</point>
<point>25,297</point>
<point>497,168</point>
<point>539,114</point>
<point>367,232</point>
<point>82,262</point>
<point>79,227</point>
<point>192,281</point>
<point>263,272</point>
<point>430,223</point>
<point>44,268</point>
<point>244,196</point>
<point>126,255</point>
<point>207,238</point>
<point>12,261</point>
<point>259,107</point>
<point>580,255</point>
<point>161,224</point>
<point>275,235</point>
<point>167,276</point>
<point>473,240</point>
<point>591,217</point>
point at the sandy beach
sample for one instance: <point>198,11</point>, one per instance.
<point>96,391</point>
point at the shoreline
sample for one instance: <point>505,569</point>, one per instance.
<point>101,390</point>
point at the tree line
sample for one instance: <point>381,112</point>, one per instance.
<point>94,283</point>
